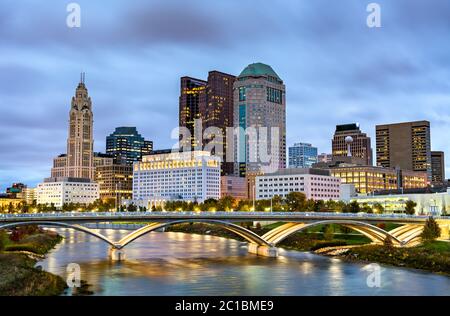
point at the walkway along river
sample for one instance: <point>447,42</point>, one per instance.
<point>186,264</point>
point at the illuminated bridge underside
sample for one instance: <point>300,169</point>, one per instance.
<point>374,233</point>
<point>248,235</point>
<point>405,235</point>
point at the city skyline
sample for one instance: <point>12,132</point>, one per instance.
<point>36,95</point>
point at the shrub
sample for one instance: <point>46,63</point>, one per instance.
<point>431,230</point>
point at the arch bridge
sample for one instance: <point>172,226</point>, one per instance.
<point>405,235</point>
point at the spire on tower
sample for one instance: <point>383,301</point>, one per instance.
<point>82,77</point>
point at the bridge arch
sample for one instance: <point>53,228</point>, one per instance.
<point>247,234</point>
<point>63,225</point>
<point>375,233</point>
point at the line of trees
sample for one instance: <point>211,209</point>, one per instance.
<point>293,202</point>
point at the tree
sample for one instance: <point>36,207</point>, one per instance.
<point>328,232</point>
<point>388,243</point>
<point>410,207</point>
<point>366,208</point>
<point>277,203</point>
<point>431,230</point>
<point>378,208</point>
<point>131,208</point>
<point>295,201</point>
<point>226,203</point>
<point>353,207</point>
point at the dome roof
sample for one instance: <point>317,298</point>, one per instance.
<point>259,69</point>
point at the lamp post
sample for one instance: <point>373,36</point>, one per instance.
<point>254,197</point>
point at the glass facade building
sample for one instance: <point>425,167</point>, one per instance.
<point>127,145</point>
<point>302,155</point>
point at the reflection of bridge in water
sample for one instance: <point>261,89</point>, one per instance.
<point>407,234</point>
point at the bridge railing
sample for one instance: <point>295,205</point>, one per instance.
<point>261,215</point>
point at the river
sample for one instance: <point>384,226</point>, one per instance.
<point>186,264</point>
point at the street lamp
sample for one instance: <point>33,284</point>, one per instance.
<point>254,197</point>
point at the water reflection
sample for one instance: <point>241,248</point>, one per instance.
<point>183,264</point>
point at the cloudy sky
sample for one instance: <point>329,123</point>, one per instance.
<point>336,69</point>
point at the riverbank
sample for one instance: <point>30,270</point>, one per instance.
<point>433,257</point>
<point>19,275</point>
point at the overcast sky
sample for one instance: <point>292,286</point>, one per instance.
<point>336,69</point>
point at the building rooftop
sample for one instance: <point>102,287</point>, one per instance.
<point>347,127</point>
<point>289,171</point>
<point>257,70</point>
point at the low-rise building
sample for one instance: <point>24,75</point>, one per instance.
<point>436,203</point>
<point>60,191</point>
<point>316,184</point>
<point>368,179</point>
<point>186,176</point>
<point>234,186</point>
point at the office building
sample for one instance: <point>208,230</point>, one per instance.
<point>350,137</point>
<point>192,104</point>
<point>186,176</point>
<point>115,181</point>
<point>126,145</point>
<point>302,155</point>
<point>316,184</point>
<point>60,191</point>
<point>437,168</point>
<point>405,145</point>
<point>204,107</point>
<point>369,179</point>
<point>260,113</point>
<point>233,186</point>
<point>218,114</point>
<point>79,160</point>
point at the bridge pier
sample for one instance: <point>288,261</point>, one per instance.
<point>116,254</point>
<point>264,251</point>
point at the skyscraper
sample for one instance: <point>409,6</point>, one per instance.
<point>302,155</point>
<point>259,102</point>
<point>127,145</point>
<point>219,114</point>
<point>405,145</point>
<point>211,102</point>
<point>437,168</point>
<point>78,163</point>
<point>192,105</point>
<point>359,146</point>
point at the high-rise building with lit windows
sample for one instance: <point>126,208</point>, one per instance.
<point>127,145</point>
<point>360,145</point>
<point>218,113</point>
<point>211,102</point>
<point>437,168</point>
<point>192,105</point>
<point>405,145</point>
<point>302,155</point>
<point>259,106</point>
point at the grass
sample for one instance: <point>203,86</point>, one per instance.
<point>18,274</point>
<point>19,277</point>
<point>39,243</point>
<point>431,256</point>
